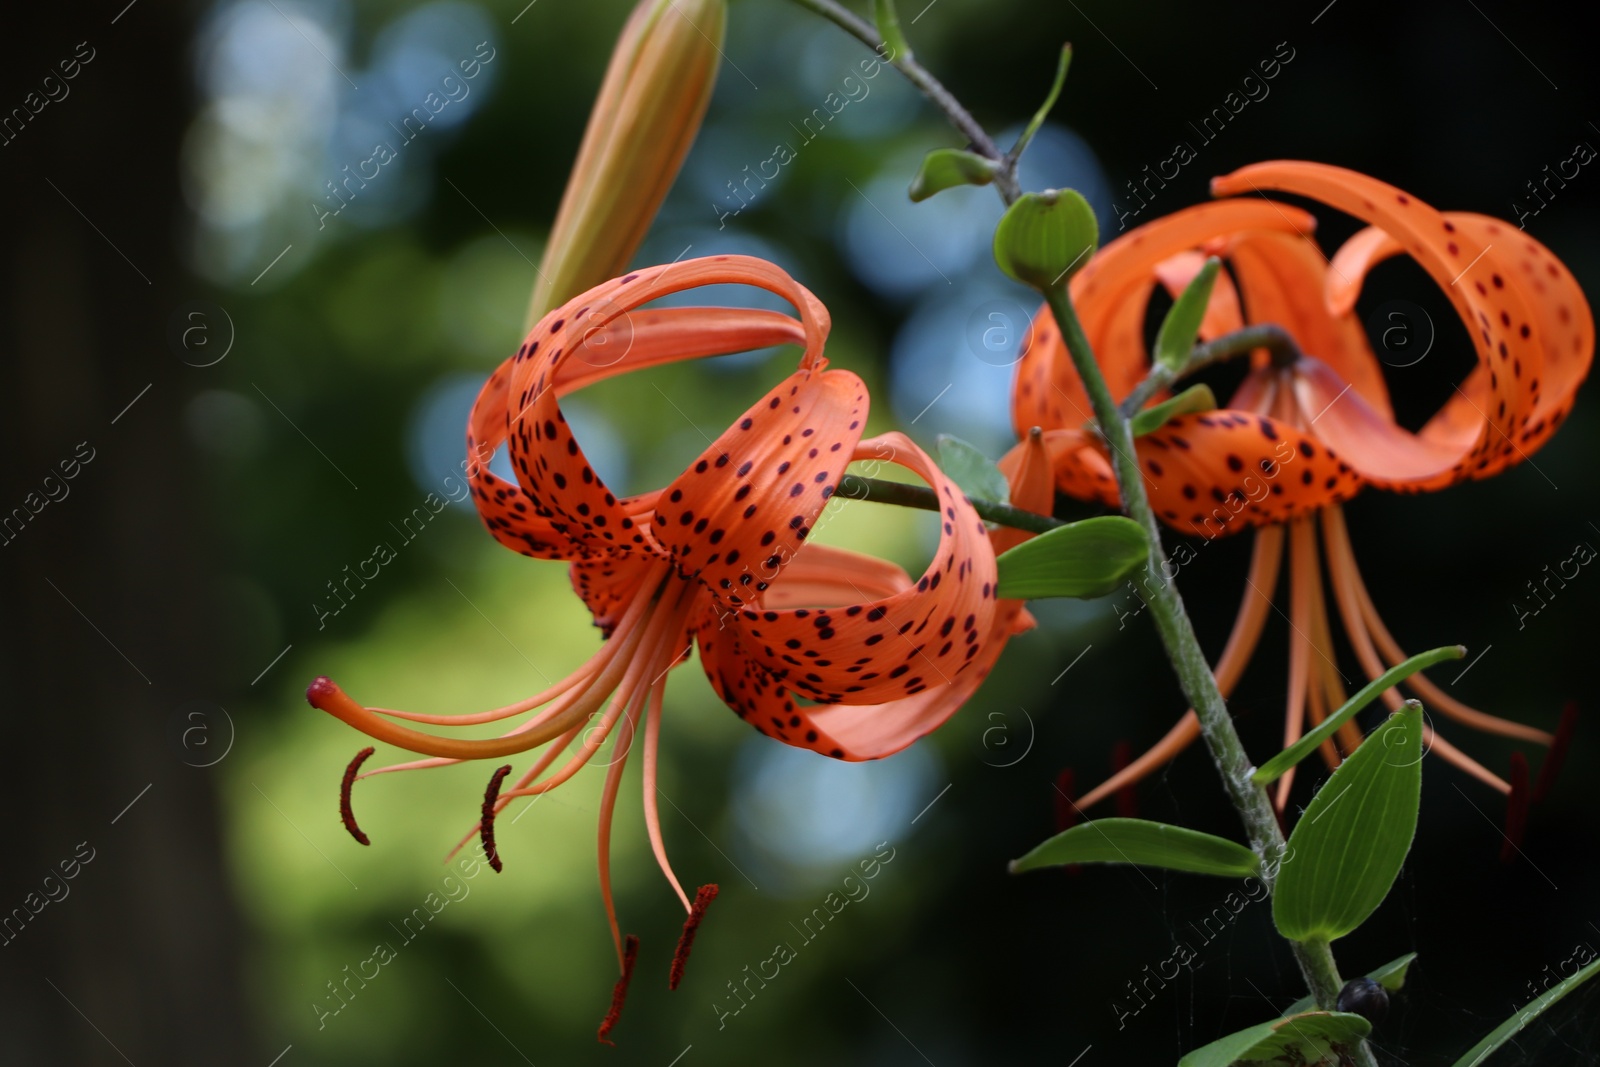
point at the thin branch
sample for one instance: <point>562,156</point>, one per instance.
<point>903,494</point>
<point>1005,179</point>
<point>1268,335</point>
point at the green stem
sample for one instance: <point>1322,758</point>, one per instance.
<point>1268,335</point>
<point>1183,649</point>
<point>903,494</point>
<point>1315,959</point>
<point>1005,178</point>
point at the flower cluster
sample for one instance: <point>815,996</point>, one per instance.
<point>1301,436</point>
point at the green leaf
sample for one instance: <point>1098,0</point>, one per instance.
<point>888,21</point>
<point>1044,238</point>
<point>1149,844</point>
<point>1392,976</point>
<point>1308,1037</point>
<point>946,168</point>
<point>1514,1025</point>
<point>1191,401</point>
<point>1081,559</point>
<point>1049,102</point>
<point>1347,848</point>
<point>1278,765</point>
<point>1182,324</point>
<point>970,469</point>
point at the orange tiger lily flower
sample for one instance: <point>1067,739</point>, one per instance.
<point>718,557</point>
<point>1297,440</point>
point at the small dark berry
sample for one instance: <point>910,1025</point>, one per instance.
<point>1366,998</point>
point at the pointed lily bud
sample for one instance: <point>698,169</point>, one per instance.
<point>650,105</point>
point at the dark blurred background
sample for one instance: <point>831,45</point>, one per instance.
<point>251,391</point>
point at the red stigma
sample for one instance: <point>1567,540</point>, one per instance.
<point>680,958</point>
<point>1516,808</point>
<point>1550,767</point>
<point>1065,808</point>
<point>318,692</point>
<point>345,811</point>
<point>619,992</point>
<point>1128,795</point>
<point>486,821</point>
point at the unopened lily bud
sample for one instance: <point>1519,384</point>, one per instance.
<point>1045,238</point>
<point>650,105</point>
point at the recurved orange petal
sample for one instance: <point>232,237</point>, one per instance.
<point>1222,471</point>
<point>742,510</point>
<point>1475,275</point>
<point>893,646</point>
<point>1562,325</point>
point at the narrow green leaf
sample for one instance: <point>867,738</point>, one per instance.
<point>1191,401</point>
<point>1049,102</point>
<point>946,168</point>
<point>1392,976</point>
<point>1309,1037</point>
<point>1081,559</point>
<point>1514,1025</point>
<point>1278,765</point>
<point>1348,846</point>
<point>888,21</point>
<point>1044,238</point>
<point>1149,844</point>
<point>970,469</point>
<point>1182,324</point>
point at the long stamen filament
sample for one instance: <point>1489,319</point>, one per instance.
<point>1265,557</point>
<point>652,810</point>
<point>574,708</point>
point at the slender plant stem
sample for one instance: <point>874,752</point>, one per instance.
<point>1005,179</point>
<point>877,490</point>
<point>1268,335</point>
<point>1177,634</point>
<point>1183,649</point>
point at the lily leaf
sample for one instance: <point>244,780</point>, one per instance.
<point>1081,559</point>
<point>888,22</point>
<point>1148,844</point>
<point>1049,102</point>
<point>1392,976</point>
<point>970,469</point>
<point>1276,767</point>
<point>1347,848</point>
<point>1514,1025</point>
<point>1191,401</point>
<point>1182,324</point>
<point>946,168</point>
<point>1309,1037</point>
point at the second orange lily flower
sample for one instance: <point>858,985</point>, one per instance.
<point>1302,436</point>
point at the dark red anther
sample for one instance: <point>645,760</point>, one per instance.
<point>486,820</point>
<point>1550,767</point>
<point>1065,799</point>
<point>619,992</point>
<point>1516,808</point>
<point>1128,795</point>
<point>345,811</point>
<point>680,958</point>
